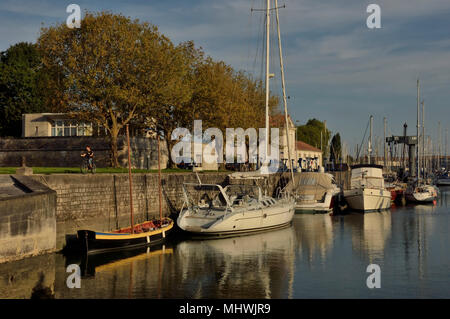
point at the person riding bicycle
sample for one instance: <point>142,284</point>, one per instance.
<point>89,156</point>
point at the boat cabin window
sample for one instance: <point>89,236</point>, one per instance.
<point>307,181</point>
<point>205,196</point>
<point>242,193</point>
<point>268,202</point>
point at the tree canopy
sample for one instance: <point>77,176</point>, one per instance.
<point>21,86</point>
<point>311,133</point>
<point>336,148</point>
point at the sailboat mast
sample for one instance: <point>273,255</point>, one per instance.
<point>370,141</point>
<point>283,86</point>
<point>130,180</point>
<point>267,73</point>
<point>439,146</point>
<point>159,179</point>
<point>384,142</point>
<point>418,131</point>
<point>423,138</point>
<point>446,149</point>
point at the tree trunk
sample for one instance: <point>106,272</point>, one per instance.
<point>113,145</point>
<point>170,144</point>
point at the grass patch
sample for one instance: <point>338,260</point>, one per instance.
<point>7,170</point>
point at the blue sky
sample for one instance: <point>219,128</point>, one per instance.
<point>336,68</point>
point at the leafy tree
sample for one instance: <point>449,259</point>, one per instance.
<point>225,98</point>
<point>108,71</point>
<point>21,86</point>
<point>168,104</point>
<point>336,148</point>
<point>311,133</point>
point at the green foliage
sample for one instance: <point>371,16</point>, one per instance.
<point>336,148</point>
<point>224,98</point>
<point>21,87</point>
<point>311,133</point>
<point>8,170</point>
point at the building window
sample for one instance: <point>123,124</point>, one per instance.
<point>71,128</point>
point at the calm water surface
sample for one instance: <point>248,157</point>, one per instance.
<point>319,256</point>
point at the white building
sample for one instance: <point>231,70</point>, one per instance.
<point>279,121</point>
<point>54,124</point>
<point>310,156</point>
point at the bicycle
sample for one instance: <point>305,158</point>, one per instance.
<point>85,167</point>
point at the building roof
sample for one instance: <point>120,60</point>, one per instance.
<point>302,146</point>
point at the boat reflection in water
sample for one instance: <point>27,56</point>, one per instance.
<point>91,265</point>
<point>127,273</point>
<point>259,265</point>
<point>314,236</point>
<point>444,193</point>
<point>370,232</point>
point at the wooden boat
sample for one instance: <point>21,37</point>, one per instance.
<point>145,234</point>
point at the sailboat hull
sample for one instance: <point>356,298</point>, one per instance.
<point>419,197</point>
<point>422,194</point>
<point>94,242</point>
<point>235,223</point>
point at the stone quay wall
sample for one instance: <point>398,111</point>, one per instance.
<point>27,221</point>
<point>66,151</point>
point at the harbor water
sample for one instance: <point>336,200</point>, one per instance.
<point>318,256</point>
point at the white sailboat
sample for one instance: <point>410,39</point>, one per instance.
<point>367,190</point>
<point>418,191</point>
<point>421,193</point>
<point>213,210</point>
